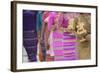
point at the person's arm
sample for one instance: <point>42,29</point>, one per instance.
<point>42,31</point>
<point>44,25</point>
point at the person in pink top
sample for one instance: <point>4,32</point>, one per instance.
<point>42,50</point>
<point>60,40</point>
<point>50,26</point>
<point>55,20</point>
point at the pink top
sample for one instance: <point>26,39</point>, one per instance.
<point>65,22</point>
<point>52,16</point>
<point>62,20</point>
<point>45,15</point>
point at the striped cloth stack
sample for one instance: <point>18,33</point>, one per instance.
<point>64,45</point>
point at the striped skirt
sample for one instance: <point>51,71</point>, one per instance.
<point>63,46</point>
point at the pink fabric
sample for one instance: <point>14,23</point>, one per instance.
<point>57,34</point>
<point>61,58</point>
<point>65,22</point>
<point>58,53</point>
<point>52,16</point>
<point>59,47</point>
<point>45,15</point>
<point>68,51</point>
<point>57,44</point>
<point>72,14</point>
<point>62,53</point>
<point>62,20</point>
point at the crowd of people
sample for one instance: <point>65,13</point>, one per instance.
<point>55,36</point>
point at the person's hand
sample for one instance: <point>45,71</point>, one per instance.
<point>40,55</point>
<point>47,46</point>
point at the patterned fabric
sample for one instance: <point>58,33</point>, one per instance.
<point>62,20</point>
<point>69,46</point>
<point>51,16</point>
<point>63,46</point>
<point>45,15</point>
<point>30,34</point>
